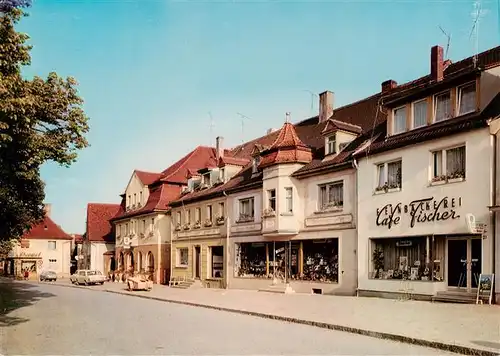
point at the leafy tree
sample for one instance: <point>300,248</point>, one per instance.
<point>41,120</point>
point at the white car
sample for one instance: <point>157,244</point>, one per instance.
<point>87,277</point>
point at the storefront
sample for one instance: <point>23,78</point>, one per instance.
<point>427,245</point>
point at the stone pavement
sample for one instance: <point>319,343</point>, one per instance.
<point>466,329</point>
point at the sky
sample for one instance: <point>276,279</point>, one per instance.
<point>153,72</point>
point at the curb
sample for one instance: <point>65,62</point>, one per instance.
<point>464,350</point>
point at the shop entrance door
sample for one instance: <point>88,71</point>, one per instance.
<point>464,263</point>
<point>197,261</point>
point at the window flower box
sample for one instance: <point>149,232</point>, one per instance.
<point>455,180</point>
<point>393,187</point>
<point>141,235</point>
<point>197,225</point>
<point>207,223</point>
<point>151,233</point>
<point>243,218</point>
<point>186,227</point>
<point>220,220</point>
<point>178,227</point>
<point>268,213</point>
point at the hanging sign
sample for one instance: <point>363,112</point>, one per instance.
<point>419,211</point>
<point>30,254</point>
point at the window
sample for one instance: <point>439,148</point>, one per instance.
<point>246,210</point>
<point>135,198</point>
<point>221,209</point>
<point>467,99</point>
<point>412,258</point>
<point>129,200</point>
<point>179,218</point>
<point>389,175</point>
<point>216,261</point>
<point>331,195</point>
<point>143,227</point>
<point>187,220</point>
<point>140,198</point>
<point>209,212</point>
<point>271,199</point>
<point>222,175</point>
<point>206,179</point>
<point>255,164</point>
<point>448,164</point>
<point>182,257</point>
<point>197,215</point>
<point>420,113</point>
<point>152,224</point>
<point>442,107</point>
<point>331,145</point>
<point>52,245</point>
<point>289,199</point>
<point>399,120</point>
<point>126,229</point>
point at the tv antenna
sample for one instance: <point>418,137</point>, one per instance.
<point>448,41</point>
<point>243,117</point>
<point>476,14</point>
<point>212,125</point>
<point>312,98</point>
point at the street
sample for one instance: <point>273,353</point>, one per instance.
<point>46,319</point>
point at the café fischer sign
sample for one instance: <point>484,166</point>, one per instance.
<point>419,211</point>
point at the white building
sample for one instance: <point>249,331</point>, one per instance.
<point>428,170</point>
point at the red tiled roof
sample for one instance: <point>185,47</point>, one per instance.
<point>99,228</point>
<point>78,238</point>
<point>223,161</point>
<point>147,178</point>
<point>200,157</point>
<point>334,125</point>
<point>46,230</point>
<point>287,148</point>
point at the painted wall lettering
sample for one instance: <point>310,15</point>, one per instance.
<point>419,211</point>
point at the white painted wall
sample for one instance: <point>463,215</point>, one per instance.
<point>97,249</point>
<point>475,193</point>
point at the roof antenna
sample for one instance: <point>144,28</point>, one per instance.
<point>448,41</point>
<point>243,117</point>
<point>312,97</point>
<point>287,117</point>
<point>476,14</point>
<point>212,124</point>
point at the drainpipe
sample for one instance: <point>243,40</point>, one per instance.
<point>171,248</point>
<point>228,230</point>
<point>356,166</point>
<point>493,200</point>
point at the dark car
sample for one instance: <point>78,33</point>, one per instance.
<point>48,276</point>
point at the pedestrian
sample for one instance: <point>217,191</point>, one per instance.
<point>26,274</point>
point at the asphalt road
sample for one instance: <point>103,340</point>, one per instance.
<point>41,319</point>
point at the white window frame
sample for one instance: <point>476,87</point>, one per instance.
<point>444,176</point>
<point>209,211</point>
<point>434,109</point>
<point>222,174</point>
<point>403,108</point>
<point>331,144</point>
<point>329,186</point>
<point>178,259</point>
<point>289,200</point>
<point>197,215</point>
<point>140,198</point>
<point>179,218</point>
<point>385,179</point>
<point>413,126</point>
<point>205,180</point>
<point>251,202</point>
<point>271,199</point>
<point>50,244</point>
<point>459,98</point>
<point>222,207</point>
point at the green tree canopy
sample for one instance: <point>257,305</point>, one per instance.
<point>41,120</point>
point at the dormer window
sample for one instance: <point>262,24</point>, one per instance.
<point>419,114</point>
<point>255,164</point>
<point>331,145</point>
<point>442,107</point>
<point>399,120</point>
<point>206,179</point>
<point>222,175</point>
<point>467,99</point>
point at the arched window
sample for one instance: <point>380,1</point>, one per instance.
<point>139,262</point>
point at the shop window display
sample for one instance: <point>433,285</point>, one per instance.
<point>251,260</point>
<point>321,260</point>
<point>416,258</point>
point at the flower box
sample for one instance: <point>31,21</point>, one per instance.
<point>197,225</point>
<point>186,227</point>
<point>391,190</point>
<point>438,182</point>
<point>207,223</point>
<point>455,180</point>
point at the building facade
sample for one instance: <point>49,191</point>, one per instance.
<point>424,178</point>
<point>44,247</point>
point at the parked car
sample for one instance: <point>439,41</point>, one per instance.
<point>48,276</point>
<point>85,276</point>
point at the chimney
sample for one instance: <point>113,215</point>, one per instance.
<point>325,105</point>
<point>269,131</point>
<point>219,147</point>
<point>437,63</point>
<point>46,209</point>
<point>388,85</point>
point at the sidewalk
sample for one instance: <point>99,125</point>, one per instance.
<point>466,329</point>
